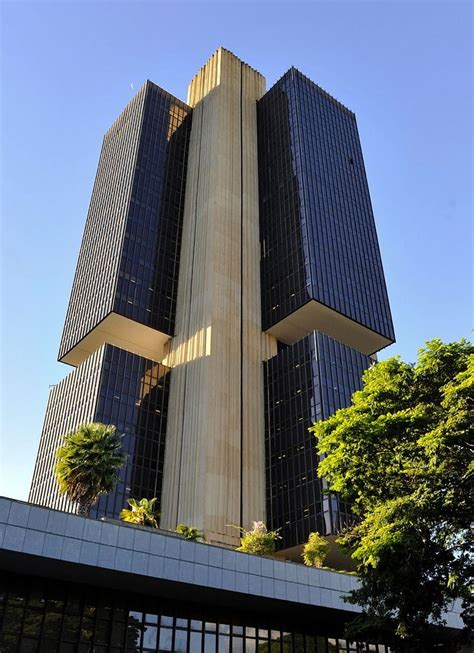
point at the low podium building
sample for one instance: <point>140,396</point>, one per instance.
<point>70,584</point>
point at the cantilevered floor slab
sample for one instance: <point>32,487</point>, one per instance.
<point>314,316</point>
<point>122,332</point>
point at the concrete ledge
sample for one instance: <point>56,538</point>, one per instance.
<point>122,332</point>
<point>315,316</point>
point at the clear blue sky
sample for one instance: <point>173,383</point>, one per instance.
<point>404,67</point>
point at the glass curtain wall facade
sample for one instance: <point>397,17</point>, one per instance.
<point>322,277</point>
<point>148,274</point>
<point>133,395</point>
<point>306,382</point>
<point>127,267</point>
<point>115,387</point>
<point>317,228</point>
<point>70,403</point>
<point>53,617</point>
<point>129,257</point>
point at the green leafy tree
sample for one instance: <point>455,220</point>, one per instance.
<point>141,512</point>
<point>189,532</point>
<point>258,540</point>
<point>88,463</point>
<point>315,550</point>
<point>402,455</point>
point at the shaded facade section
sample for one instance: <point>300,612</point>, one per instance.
<point>304,383</point>
<point>317,229</point>
<point>70,403</point>
<point>128,262</point>
<point>115,387</point>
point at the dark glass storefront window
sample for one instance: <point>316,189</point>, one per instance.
<point>95,620</point>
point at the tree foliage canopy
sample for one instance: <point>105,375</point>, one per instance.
<point>402,455</point>
<point>88,463</point>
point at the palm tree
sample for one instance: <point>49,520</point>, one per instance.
<point>142,512</point>
<point>88,463</point>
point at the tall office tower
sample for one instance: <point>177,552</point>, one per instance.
<point>321,271</point>
<point>123,301</point>
<point>260,202</point>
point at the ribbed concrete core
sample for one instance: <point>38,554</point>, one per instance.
<point>214,461</point>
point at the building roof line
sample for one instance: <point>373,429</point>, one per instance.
<point>295,71</point>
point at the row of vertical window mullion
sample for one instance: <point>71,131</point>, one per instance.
<point>120,385</point>
<point>71,403</point>
<point>101,618</point>
<point>287,465</point>
<point>88,302</point>
<point>340,124</point>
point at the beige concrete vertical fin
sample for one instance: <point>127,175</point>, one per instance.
<point>255,343</point>
<point>214,473</point>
